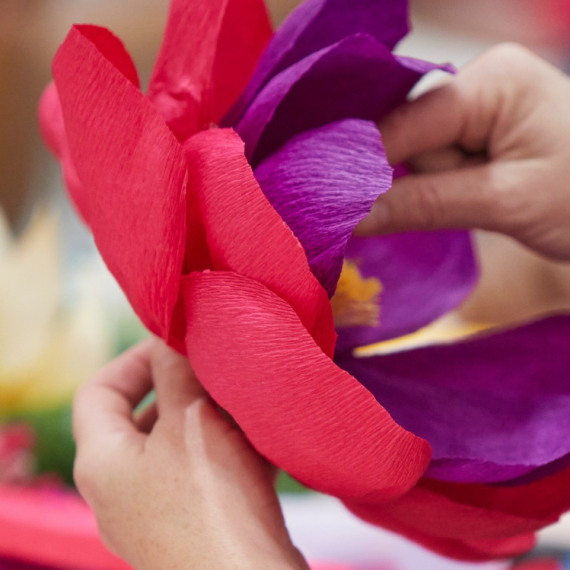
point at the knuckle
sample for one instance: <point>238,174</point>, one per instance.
<point>429,205</point>
<point>106,538</point>
<point>508,54</point>
<point>509,63</point>
<point>90,476</point>
<point>509,207</point>
<point>83,475</point>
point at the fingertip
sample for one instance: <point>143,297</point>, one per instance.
<point>103,406</point>
<point>164,357</point>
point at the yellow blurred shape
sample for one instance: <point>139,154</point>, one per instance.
<point>356,301</point>
<point>450,328</point>
<point>46,351</point>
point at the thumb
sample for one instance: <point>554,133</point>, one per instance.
<point>174,380</point>
<point>458,199</point>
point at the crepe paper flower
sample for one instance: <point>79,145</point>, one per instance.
<point>230,241</point>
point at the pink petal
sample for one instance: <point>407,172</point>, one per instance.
<point>247,236</point>
<point>299,409</point>
<point>133,177</point>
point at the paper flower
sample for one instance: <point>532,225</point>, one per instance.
<point>229,242</point>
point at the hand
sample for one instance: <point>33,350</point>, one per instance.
<point>176,487</point>
<point>490,149</point>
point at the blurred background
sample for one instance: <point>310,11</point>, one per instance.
<point>62,316</point>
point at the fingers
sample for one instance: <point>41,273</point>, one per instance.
<point>465,198</point>
<point>433,121</point>
<point>175,382</point>
<point>449,158</point>
<point>146,418</point>
<point>471,111</point>
<point>472,144</point>
<point>104,406</point>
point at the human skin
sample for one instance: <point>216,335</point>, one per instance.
<point>489,150</point>
<point>177,486</point>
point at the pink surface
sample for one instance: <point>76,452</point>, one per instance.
<point>52,527</point>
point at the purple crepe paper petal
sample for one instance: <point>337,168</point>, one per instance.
<point>490,407</point>
<point>316,24</point>
<point>424,275</point>
<point>355,78</point>
<point>322,183</point>
<point>539,473</point>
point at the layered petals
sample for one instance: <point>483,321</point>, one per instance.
<point>454,518</point>
<point>468,549</point>
<point>423,275</point>
<point>345,80</point>
<point>132,175</point>
<point>322,183</point>
<point>210,50</point>
<point>246,235</point>
<point>298,408</point>
<point>317,24</point>
<point>493,408</point>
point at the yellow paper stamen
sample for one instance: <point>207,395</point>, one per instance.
<point>357,299</point>
<point>446,330</point>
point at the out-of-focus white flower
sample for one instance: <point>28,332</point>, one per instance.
<point>47,347</point>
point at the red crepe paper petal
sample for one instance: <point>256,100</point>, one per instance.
<point>297,407</point>
<point>439,511</point>
<point>438,516</point>
<point>247,236</point>
<point>245,33</point>
<point>462,549</point>
<point>52,527</point>
<point>113,49</point>
<point>210,50</point>
<point>133,175</point>
<point>543,500</point>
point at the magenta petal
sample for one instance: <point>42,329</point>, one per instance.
<point>354,78</point>
<point>492,408</point>
<point>423,276</point>
<point>322,183</point>
<point>317,24</point>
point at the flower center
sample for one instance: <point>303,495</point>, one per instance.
<point>357,299</point>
